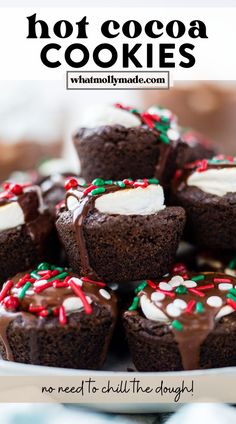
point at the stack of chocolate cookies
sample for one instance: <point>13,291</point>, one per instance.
<point>148,185</point>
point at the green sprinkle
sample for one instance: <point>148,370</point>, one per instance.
<point>164,138</point>
<point>43,266</point>
<point>231,296</point>
<point>134,304</point>
<point>161,127</point>
<point>98,182</point>
<point>108,182</point>
<point>153,181</point>
<point>121,184</point>
<point>133,110</point>
<point>24,290</point>
<point>58,268</point>
<point>165,119</point>
<point>199,308</point>
<point>35,275</point>
<point>198,278</point>
<point>232,264</point>
<point>141,286</point>
<point>58,277</point>
<point>98,191</point>
<point>177,325</point>
<point>181,289</point>
<point>232,291</point>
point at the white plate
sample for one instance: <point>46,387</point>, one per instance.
<point>14,368</point>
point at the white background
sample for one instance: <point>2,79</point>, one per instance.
<point>20,57</point>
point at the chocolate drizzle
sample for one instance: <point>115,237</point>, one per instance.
<point>32,206</point>
<point>86,204</point>
<point>181,179</point>
<point>194,326</point>
<point>49,298</point>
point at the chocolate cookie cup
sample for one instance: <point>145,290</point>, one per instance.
<point>117,142</point>
<point>26,228</point>
<point>53,190</point>
<point>51,317</point>
<point>119,231</point>
<point>207,191</point>
<point>183,322</point>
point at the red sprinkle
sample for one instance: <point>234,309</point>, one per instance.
<point>11,303</point>
<point>197,292</point>
<point>152,284</point>
<point>191,304</point>
<point>70,183</point>
<point>79,292</point>
<point>57,284</point>
<point>88,189</point>
<point>9,284</point>
<point>148,119</point>
<point>156,118</point>
<point>55,311</point>
<point>42,287</point>
<point>203,166</point>
<point>231,303</point>
<point>178,173</point>
<point>167,293</point>
<point>42,273</point>
<point>16,189</point>
<point>44,313</point>
<point>49,274</point>
<point>206,287</point>
<point>36,309</point>
<point>62,315</point>
<point>6,185</point>
<point>24,280</point>
<point>222,280</point>
<point>142,184</point>
<point>96,283</point>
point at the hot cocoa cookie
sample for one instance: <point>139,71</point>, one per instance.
<point>117,142</point>
<point>119,230</point>
<point>26,228</point>
<point>49,316</point>
<point>207,191</point>
<point>183,322</point>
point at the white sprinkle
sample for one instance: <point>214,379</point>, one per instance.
<point>176,281</point>
<point>179,303</point>
<point>40,283</point>
<point>172,134</point>
<point>165,286</point>
<point>77,281</point>
<point>104,293</point>
<point>190,284</point>
<point>225,286</point>
<point>172,310</point>
<point>157,296</point>
<point>214,301</point>
<point>74,303</point>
